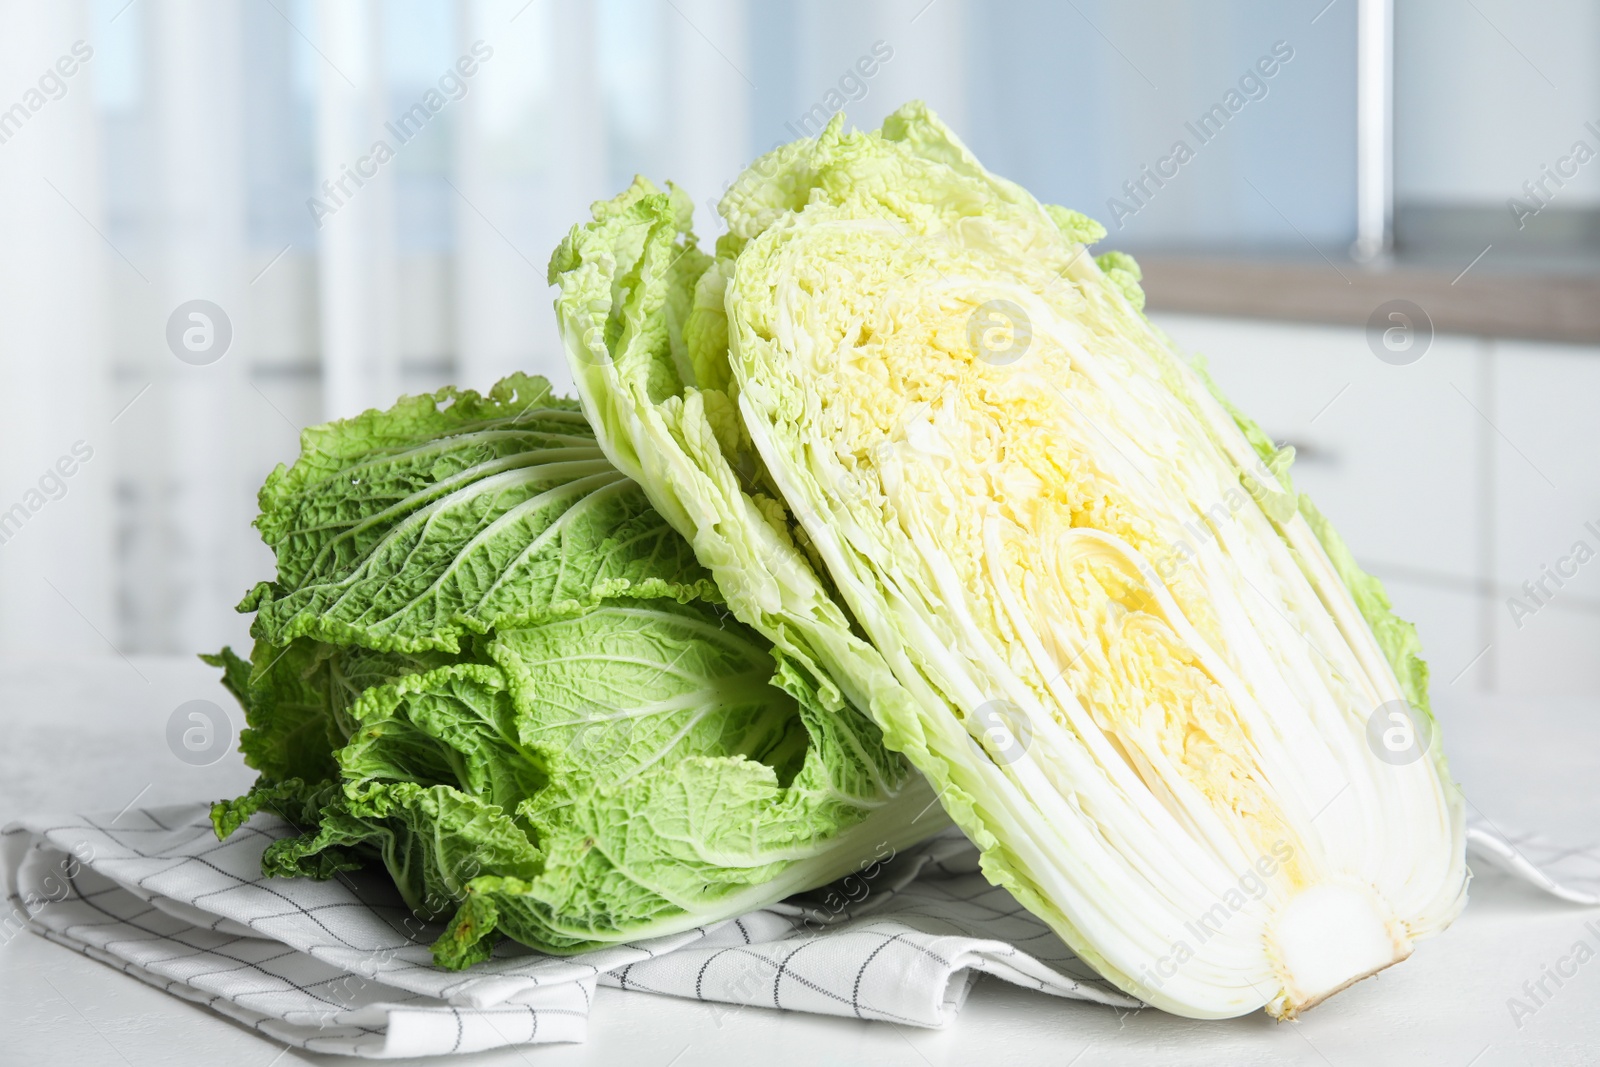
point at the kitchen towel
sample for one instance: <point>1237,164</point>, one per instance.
<point>342,967</point>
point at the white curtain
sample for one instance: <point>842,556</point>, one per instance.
<point>223,151</point>
<point>55,530</point>
<point>357,269</point>
<point>530,156</point>
<point>186,161</point>
<point>193,238</point>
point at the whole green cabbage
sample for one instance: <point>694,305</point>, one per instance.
<point>489,665</point>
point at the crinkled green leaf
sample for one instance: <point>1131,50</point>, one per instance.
<point>450,514</point>
<point>660,768</point>
<point>296,700</point>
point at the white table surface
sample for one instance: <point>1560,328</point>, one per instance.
<point>89,734</point>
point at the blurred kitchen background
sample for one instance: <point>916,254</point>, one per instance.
<point>155,153</point>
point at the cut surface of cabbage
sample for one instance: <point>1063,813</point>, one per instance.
<point>926,441</point>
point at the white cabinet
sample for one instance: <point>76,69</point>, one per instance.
<point>1546,488</point>
<point>1387,449</point>
<point>1455,479</point>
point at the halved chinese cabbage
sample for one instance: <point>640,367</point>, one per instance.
<point>927,444</point>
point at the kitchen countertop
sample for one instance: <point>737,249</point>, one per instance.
<point>91,734</point>
<point>1535,300</point>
